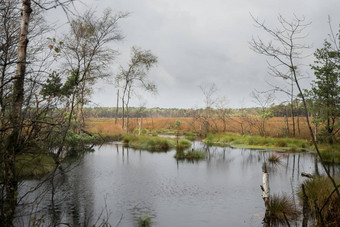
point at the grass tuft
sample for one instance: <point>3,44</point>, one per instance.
<point>273,158</point>
<point>281,206</point>
<point>318,190</point>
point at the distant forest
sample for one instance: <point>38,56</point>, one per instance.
<point>280,110</point>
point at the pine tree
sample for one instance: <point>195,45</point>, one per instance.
<point>326,89</point>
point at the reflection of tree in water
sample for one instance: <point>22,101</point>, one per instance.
<point>63,197</point>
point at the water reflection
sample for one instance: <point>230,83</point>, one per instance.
<point>121,184</point>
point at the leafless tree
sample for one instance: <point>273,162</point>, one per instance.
<point>286,49</point>
<point>263,100</point>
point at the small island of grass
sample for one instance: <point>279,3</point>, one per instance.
<point>154,143</point>
<point>189,155</point>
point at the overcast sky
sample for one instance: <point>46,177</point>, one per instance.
<point>199,42</point>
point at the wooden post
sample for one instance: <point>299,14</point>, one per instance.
<point>140,125</point>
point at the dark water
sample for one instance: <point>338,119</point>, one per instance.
<point>121,185</point>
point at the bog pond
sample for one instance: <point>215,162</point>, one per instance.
<point>122,184</point>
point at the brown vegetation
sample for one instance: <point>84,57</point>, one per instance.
<point>275,127</point>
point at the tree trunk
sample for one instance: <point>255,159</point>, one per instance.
<point>123,112</point>
<point>14,139</point>
<point>116,120</point>
<point>266,195</point>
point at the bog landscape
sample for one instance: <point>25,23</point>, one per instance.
<point>67,161</point>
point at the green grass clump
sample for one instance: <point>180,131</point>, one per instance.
<point>190,136</point>
<point>189,155</point>
<point>273,158</point>
<point>331,154</point>
<point>183,144</point>
<point>144,221</point>
<point>281,206</point>
<point>234,139</point>
<point>281,143</point>
<point>318,190</point>
<point>154,143</point>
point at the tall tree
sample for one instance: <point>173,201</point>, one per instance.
<point>13,144</point>
<point>88,52</point>
<point>326,88</point>
<point>13,134</point>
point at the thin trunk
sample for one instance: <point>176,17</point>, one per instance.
<point>127,109</point>
<point>292,107</point>
<point>298,123</point>
<point>13,144</point>
<point>123,112</point>
<point>116,120</point>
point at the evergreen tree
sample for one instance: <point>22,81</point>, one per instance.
<point>326,89</point>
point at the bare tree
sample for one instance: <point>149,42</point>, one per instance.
<point>264,100</point>
<point>285,49</point>
<point>206,116</point>
<point>135,76</point>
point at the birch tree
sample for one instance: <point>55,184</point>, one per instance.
<point>135,76</point>
<point>14,132</point>
<point>88,52</point>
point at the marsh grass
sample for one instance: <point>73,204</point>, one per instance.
<point>274,158</point>
<point>190,155</point>
<point>280,208</point>
<point>190,136</point>
<point>331,154</point>
<point>237,140</point>
<point>144,221</point>
<point>154,143</point>
<point>319,190</point>
<point>183,144</point>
